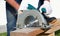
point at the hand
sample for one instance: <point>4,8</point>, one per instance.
<point>47,6</point>
<point>20,12</point>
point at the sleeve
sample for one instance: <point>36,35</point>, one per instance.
<point>40,3</point>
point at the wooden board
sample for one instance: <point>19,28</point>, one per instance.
<point>55,27</point>
<point>51,34</point>
<point>35,31</point>
<point>26,32</point>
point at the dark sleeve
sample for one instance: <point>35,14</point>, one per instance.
<point>18,1</point>
<point>40,3</point>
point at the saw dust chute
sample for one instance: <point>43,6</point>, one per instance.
<point>31,18</point>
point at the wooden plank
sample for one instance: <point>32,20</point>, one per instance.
<point>35,31</point>
<point>26,32</point>
<point>55,27</point>
<point>51,34</point>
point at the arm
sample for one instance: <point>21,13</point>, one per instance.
<point>47,0</point>
<point>13,3</point>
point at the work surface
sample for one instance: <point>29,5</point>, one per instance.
<point>35,31</point>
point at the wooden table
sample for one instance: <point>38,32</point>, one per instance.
<point>37,31</point>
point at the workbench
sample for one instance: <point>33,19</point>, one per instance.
<point>37,31</point>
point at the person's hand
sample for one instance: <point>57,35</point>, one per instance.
<point>47,6</point>
<point>20,12</point>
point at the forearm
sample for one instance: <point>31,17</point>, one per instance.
<point>13,3</point>
<point>47,0</point>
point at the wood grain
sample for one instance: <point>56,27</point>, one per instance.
<point>36,31</point>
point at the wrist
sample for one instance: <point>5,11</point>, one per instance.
<point>17,7</point>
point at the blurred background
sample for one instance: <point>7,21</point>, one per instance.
<point>2,16</point>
